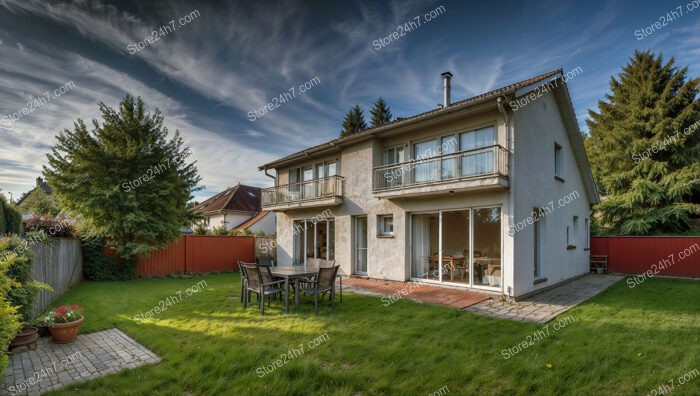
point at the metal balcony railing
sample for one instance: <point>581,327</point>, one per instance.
<point>309,190</point>
<point>464,165</point>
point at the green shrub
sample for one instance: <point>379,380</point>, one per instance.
<point>99,267</point>
<point>260,233</point>
<point>16,255</point>
<point>9,319</point>
<point>200,229</point>
<point>220,230</point>
<point>10,218</point>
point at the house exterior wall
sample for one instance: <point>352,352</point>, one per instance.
<point>390,257</point>
<point>267,224</point>
<point>231,220</point>
<point>537,127</point>
<point>529,135</point>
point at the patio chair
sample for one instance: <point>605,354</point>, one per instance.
<point>267,276</point>
<point>265,261</point>
<point>258,286</point>
<point>244,280</point>
<point>331,263</point>
<point>324,283</point>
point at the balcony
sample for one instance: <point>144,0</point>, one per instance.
<point>327,191</point>
<point>481,168</point>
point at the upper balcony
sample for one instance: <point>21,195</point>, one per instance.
<point>326,191</point>
<point>481,168</point>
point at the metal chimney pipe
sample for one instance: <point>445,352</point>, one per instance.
<point>446,76</point>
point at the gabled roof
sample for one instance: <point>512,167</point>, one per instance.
<point>239,198</point>
<point>249,223</point>
<point>335,143</point>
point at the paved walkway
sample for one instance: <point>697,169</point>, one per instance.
<point>545,306</point>
<point>421,292</point>
<point>53,366</point>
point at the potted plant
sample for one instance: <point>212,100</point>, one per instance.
<point>64,322</point>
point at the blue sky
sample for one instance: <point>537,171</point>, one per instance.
<point>232,57</point>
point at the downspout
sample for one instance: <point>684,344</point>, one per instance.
<point>510,142</point>
<point>269,175</point>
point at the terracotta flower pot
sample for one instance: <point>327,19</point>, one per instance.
<point>27,337</point>
<point>64,333</point>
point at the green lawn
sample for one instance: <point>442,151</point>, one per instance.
<point>625,341</point>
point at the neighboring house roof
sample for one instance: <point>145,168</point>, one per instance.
<point>335,143</point>
<point>239,198</point>
<point>249,223</point>
<point>40,183</point>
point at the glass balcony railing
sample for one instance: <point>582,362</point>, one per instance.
<point>310,190</point>
<point>469,164</point>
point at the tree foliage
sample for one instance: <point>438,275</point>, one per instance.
<point>644,147</point>
<point>353,122</point>
<point>380,113</point>
<point>125,180</point>
<point>9,318</point>
<point>10,218</point>
<point>18,259</point>
<point>40,204</point>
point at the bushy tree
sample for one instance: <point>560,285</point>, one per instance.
<point>125,180</point>
<point>40,204</point>
<point>644,148</point>
<point>10,218</point>
<point>380,113</point>
<point>353,122</point>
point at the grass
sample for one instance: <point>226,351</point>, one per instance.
<point>625,341</point>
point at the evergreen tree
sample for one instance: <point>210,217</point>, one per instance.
<point>645,149</point>
<point>380,113</point>
<point>126,180</point>
<point>353,122</point>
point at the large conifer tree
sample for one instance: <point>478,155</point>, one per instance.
<point>644,147</point>
<point>353,122</point>
<point>380,113</point>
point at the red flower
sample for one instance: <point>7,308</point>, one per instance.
<point>73,306</point>
<point>58,315</point>
<point>63,309</point>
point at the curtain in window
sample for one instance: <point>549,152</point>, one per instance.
<point>421,245</point>
<point>477,162</point>
<point>427,170</point>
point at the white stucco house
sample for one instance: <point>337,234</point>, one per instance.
<point>239,208</point>
<point>491,192</point>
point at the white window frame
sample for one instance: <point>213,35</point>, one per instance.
<point>381,231</point>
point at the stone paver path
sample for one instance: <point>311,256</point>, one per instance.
<point>545,306</point>
<point>53,366</point>
<point>421,292</point>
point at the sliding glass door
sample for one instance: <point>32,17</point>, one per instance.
<point>360,244</point>
<point>313,239</point>
<point>457,246</point>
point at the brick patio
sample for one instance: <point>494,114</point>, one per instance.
<point>540,308</point>
<point>545,306</point>
<point>54,366</point>
<point>423,292</point>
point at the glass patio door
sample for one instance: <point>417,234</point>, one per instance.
<point>360,242</point>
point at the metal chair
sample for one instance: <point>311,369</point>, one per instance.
<point>324,283</point>
<point>244,279</point>
<point>267,276</point>
<point>256,285</point>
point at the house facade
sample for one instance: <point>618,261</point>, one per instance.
<point>480,193</point>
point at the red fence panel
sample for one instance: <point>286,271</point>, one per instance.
<point>197,254</point>
<point>670,256</point>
